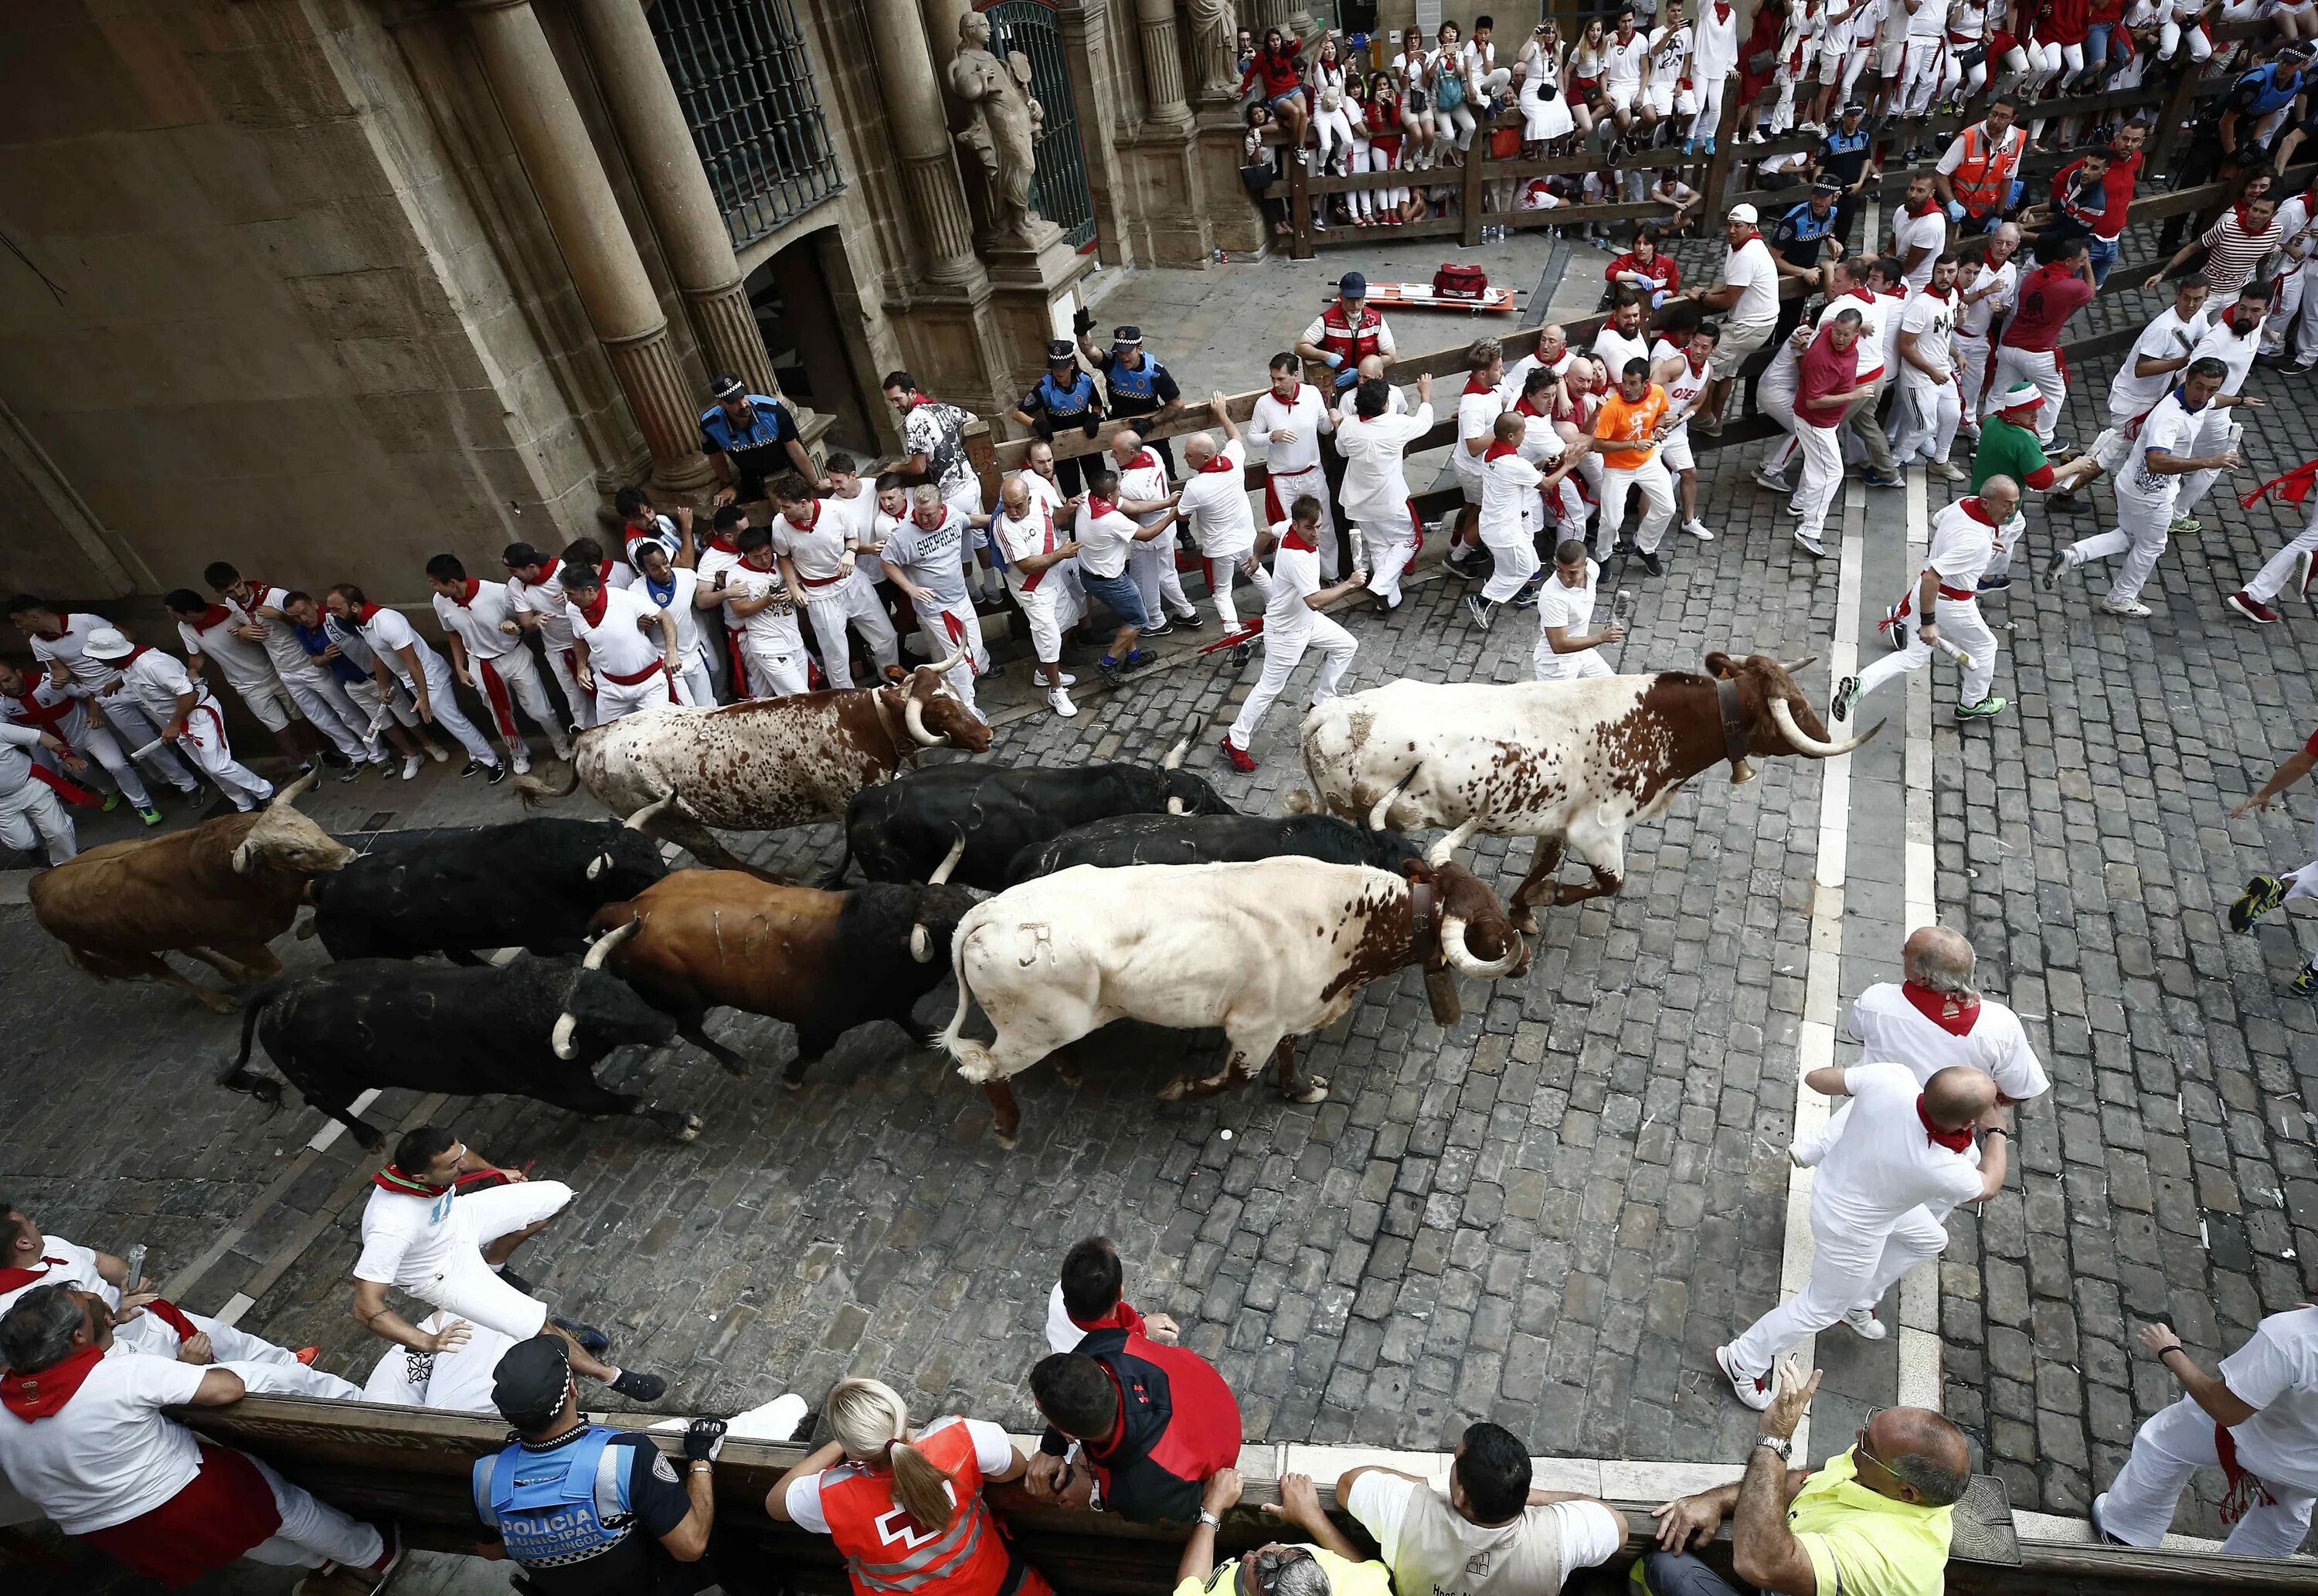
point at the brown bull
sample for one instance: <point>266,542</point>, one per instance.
<point>218,893</point>
<point>824,961</point>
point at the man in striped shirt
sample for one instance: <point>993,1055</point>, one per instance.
<point>2235,245</point>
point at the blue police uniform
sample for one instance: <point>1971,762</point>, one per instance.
<point>568,1510</point>
<point>756,450</point>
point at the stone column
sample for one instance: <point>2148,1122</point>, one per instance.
<point>675,188</point>
<point>552,140</point>
<point>1163,61</point>
<point>919,122</point>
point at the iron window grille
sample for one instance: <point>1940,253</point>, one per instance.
<point>741,72</point>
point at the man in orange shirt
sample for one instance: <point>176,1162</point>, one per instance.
<point>1627,430</point>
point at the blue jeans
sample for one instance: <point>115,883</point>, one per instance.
<point>2095,52</point>
<point>2104,257</point>
<point>1119,594</point>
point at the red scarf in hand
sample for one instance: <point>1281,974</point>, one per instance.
<point>1953,1141</point>
<point>34,1397</point>
<point>2293,487</point>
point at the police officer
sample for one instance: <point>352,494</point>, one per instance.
<point>1844,155</point>
<point>752,438</point>
<point>1139,386</point>
<point>1801,238</point>
<point>567,1499</point>
<point>1063,399</point>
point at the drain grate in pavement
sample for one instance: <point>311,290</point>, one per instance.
<point>379,822</point>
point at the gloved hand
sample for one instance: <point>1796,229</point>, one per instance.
<point>702,1438</point>
<point>1093,424</point>
<point>1083,323</point>
<point>1333,361</point>
<point>1043,427</point>
<point>1347,377</point>
<point>1955,210</point>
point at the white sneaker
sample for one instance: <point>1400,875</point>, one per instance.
<point>563,752</point>
<point>1066,679</point>
<point>1946,469</point>
<point>520,766</point>
<point>2132,607</point>
<point>410,763</point>
<point>1060,703</point>
<point>435,752</point>
<point>1755,1392</point>
<point>1864,1323</point>
<point>1698,529</point>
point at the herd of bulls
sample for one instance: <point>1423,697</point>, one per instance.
<point>1067,898</point>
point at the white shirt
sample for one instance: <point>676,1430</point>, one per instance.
<point>1873,310</point>
<point>1215,502</point>
<point>683,585</point>
<point>1145,477</point>
<point>2168,338</point>
<point>1929,20</point>
<point>860,514</point>
<point>1929,233</point>
<point>75,1265</point>
<point>1476,420</point>
<point>1750,268</point>
<point>1980,312</point>
<point>1890,1027</point>
<point>1306,415</point>
<point>2277,1372</point>
<point>772,630</point>
<point>1716,52</point>
<point>1508,490</point>
<point>2233,350</point>
<point>1033,534</point>
<point>815,549</point>
<point>1591,1534</point>
<point>68,648</point>
<point>1560,604</point>
<point>1681,393</point>
<point>1931,317</point>
<point>407,1239</point>
<point>545,600</point>
<point>477,622</point>
<point>1375,488</point>
<point>1669,49</point>
<point>1885,1163</point>
<point>1295,577</point>
<point>993,1454</point>
<point>241,662</point>
<point>457,1381</point>
<point>1395,403</point>
<point>1103,540</point>
<point>2170,429</point>
<point>617,645</point>
<point>282,645</point>
<point>1622,64</point>
<point>110,1454</point>
<point>1962,545</point>
<point>1613,348</point>
<point>155,681</point>
<point>388,633</point>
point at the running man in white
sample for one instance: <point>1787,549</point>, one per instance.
<point>2265,891</point>
<point>1903,1147</point>
<point>158,687</point>
<point>256,607</point>
<point>2232,337</point>
<point>819,545</point>
<point>1943,605</point>
<point>673,588</point>
<point>2297,562</point>
<point>1023,531</point>
<point>1511,508</point>
<point>488,653</point>
<point>921,555</point>
<point>1567,651</point>
<point>1928,407</point>
<point>1285,424</point>
<point>758,597</point>
<point>1293,599</point>
<point>398,653</point>
<point>37,702</point>
<point>422,1234</point>
<point>1981,294</point>
<point>1375,485</point>
<point>1214,500</point>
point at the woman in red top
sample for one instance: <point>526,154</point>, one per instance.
<point>1277,71</point>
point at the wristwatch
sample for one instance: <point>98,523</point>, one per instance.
<point>1781,1447</point>
<point>1209,1520</point>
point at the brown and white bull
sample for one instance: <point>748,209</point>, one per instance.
<point>765,764</point>
<point>218,893</point>
<point>1268,951</point>
<point>1573,764</point>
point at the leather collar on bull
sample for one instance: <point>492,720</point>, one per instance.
<point>1736,732</point>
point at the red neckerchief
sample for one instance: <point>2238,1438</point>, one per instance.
<point>362,612</point>
<point>1696,362</point>
<point>212,616</point>
<point>1475,385</point>
<point>391,1179</point>
<point>15,1278</point>
<point>2230,320</point>
<point>1722,12</point>
<point>1954,1015</point>
<point>1297,393</point>
<point>1929,206</point>
<point>724,544</point>
<point>916,398</point>
<point>2293,487</point>
<point>1121,1316</point>
<point>603,571</point>
<point>34,1397</point>
<point>1953,1141</point>
<point>812,517</point>
<point>1498,452</point>
<point>1974,509</point>
<point>2238,210</point>
<point>474,586</point>
<point>1521,407</point>
<point>1143,461</point>
<point>593,613</point>
<point>130,659</point>
<point>1866,296</point>
<point>1297,539</point>
<point>174,1317</point>
<point>1219,463</point>
<point>1097,508</point>
<point>1752,233</point>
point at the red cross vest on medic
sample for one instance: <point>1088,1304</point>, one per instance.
<point>1354,341</point>
<point>887,1552</point>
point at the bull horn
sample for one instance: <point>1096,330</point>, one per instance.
<point>1174,759</point>
<point>940,877</point>
<point>914,716</point>
<point>1384,805</point>
<point>560,1039</point>
<point>1462,960</point>
<point>1175,806</point>
<point>643,818</point>
<point>1444,850</point>
<point>1793,666</point>
<point>287,797</point>
<point>1804,742</point>
<point>942,668</point>
<point>599,863</point>
<point>241,858</point>
<point>608,942</point>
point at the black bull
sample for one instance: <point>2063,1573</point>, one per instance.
<point>532,883</point>
<point>468,1031</point>
<point>903,829</point>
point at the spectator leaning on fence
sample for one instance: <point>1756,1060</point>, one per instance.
<point>1329,1565</point>
<point>1133,1427</point>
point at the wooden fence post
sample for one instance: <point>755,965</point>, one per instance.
<point>1476,157</point>
<point>1300,206</point>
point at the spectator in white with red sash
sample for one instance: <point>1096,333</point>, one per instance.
<point>1024,530</point>
<point>924,556</point>
<point>257,607</point>
<point>1373,443</point>
<point>30,813</point>
<point>398,653</point>
<point>618,662</point>
<point>758,595</point>
<point>1144,494</point>
<point>1285,424</point>
<point>673,586</point>
<point>84,1437</point>
<point>539,598</point>
<point>1090,1296</point>
<point>216,632</point>
<point>905,1506</point>
<point>818,543</point>
<point>488,654</point>
<point>1294,596</point>
<point>1214,500</point>
<point>156,684</point>
<point>57,643</point>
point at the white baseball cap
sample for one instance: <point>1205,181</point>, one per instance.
<point>1745,213</point>
<point>107,643</point>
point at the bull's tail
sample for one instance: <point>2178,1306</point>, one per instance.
<point>536,790</point>
<point>237,1076</point>
<point>975,1061</point>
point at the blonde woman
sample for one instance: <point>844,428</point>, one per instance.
<point>877,1468</point>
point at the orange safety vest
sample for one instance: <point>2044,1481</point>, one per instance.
<point>889,1553</point>
<point>1983,180</point>
<point>1338,335</point>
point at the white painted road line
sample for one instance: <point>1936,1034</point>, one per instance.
<point>1919,1288</point>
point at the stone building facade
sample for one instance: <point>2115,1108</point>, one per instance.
<point>324,287</point>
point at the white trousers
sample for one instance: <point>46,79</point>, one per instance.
<point>1391,547</point>
<point>1822,480</point>
<point>2215,433</point>
<point>520,686</point>
<point>1281,653</point>
<point>1710,107</point>
<point>851,602</point>
<point>775,675</point>
<point>447,714</point>
<point>2168,39</point>
<point>2173,1445</point>
<point>696,684</point>
<point>312,1531</point>
<point>1153,566</point>
<point>2140,536</point>
<point>1960,623</point>
<point>1279,496</point>
<point>1924,417</point>
<point>2281,565</point>
<point>616,700</point>
<point>945,629</point>
<point>1514,549</point>
<point>204,743</point>
<point>1774,396</point>
<point>1657,488</point>
<point>138,730</point>
<point>379,707</point>
<point>1971,356</point>
<point>263,697</point>
<point>329,711</point>
<point>1549,667</point>
<point>1052,608</point>
<point>97,744</point>
<point>1850,1269</point>
<point>466,1286</point>
<point>32,816</point>
<point>1923,66</point>
<point>1222,566</point>
<point>2288,292</point>
<point>563,664</point>
<point>2041,367</point>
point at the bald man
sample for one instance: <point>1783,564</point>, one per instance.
<point>1904,1147</point>
<point>1933,1019</point>
<point>1822,1529</point>
<point>1214,500</point>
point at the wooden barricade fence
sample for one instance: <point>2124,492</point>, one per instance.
<point>414,1465</point>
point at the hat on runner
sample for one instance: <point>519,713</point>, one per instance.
<point>2020,396</point>
<point>1059,351</point>
<point>106,644</point>
<point>528,1384</point>
<point>1745,213</point>
<point>1352,286</point>
<point>725,386</point>
<point>1126,337</point>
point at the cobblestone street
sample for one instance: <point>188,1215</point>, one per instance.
<point>1549,1214</point>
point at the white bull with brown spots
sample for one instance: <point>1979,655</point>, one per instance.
<point>1573,764</point>
<point>764,763</point>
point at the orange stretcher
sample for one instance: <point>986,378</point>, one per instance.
<point>1419,296</point>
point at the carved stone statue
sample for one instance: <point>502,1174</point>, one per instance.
<point>1215,31</point>
<point>1004,120</point>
